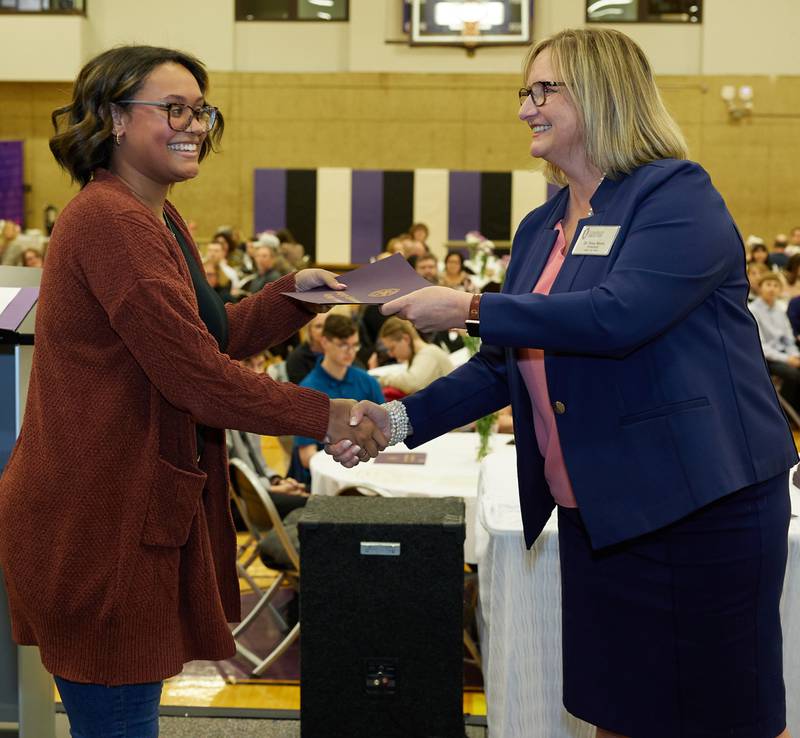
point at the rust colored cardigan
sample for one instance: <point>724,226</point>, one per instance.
<point>118,550</point>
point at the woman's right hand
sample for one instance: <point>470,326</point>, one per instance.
<point>365,411</point>
<point>364,439</point>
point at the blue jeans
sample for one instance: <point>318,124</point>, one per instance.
<point>96,711</point>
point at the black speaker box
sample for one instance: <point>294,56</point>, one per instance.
<point>381,613</point>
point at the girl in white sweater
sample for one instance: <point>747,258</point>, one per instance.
<point>426,362</point>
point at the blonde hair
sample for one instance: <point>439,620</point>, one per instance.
<point>395,328</point>
<point>222,279</point>
<point>769,276</point>
<point>611,83</point>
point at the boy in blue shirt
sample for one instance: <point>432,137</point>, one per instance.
<point>336,377</point>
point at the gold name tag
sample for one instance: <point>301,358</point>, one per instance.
<point>595,240</point>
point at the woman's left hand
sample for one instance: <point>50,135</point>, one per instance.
<point>307,279</point>
<point>432,308</point>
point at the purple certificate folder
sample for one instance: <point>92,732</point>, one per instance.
<point>373,284</point>
<point>15,304</point>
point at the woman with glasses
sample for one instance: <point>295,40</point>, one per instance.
<point>642,408</point>
<point>117,542</point>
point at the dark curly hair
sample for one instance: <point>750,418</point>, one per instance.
<point>83,129</point>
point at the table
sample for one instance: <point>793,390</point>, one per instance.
<point>451,469</point>
<point>519,615</point>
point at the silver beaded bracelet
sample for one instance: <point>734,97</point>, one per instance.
<point>399,425</point>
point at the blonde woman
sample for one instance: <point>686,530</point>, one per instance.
<point>642,407</point>
<point>426,362</point>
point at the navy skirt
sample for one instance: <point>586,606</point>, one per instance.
<point>677,634</point>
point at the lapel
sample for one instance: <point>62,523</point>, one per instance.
<point>526,275</point>
<point>600,204</point>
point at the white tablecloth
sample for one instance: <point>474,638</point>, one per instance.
<point>520,615</point>
<point>450,470</point>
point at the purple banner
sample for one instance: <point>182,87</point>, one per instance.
<point>366,226</point>
<point>12,206</point>
<point>269,200</point>
<point>465,204</point>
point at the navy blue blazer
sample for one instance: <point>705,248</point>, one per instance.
<point>651,350</point>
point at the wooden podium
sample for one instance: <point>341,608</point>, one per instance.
<point>26,689</point>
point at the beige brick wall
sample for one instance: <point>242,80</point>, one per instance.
<point>408,121</point>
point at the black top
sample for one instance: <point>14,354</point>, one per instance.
<point>300,362</point>
<point>212,308</point>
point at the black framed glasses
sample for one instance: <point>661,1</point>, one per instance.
<point>180,116</point>
<point>538,91</point>
<point>344,346</point>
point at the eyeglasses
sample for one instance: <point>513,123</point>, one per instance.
<point>538,91</point>
<point>344,346</point>
<point>179,116</point>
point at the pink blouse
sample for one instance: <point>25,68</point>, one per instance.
<point>531,366</point>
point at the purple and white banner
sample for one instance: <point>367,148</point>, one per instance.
<point>12,205</point>
<point>347,215</point>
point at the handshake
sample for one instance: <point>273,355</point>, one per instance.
<point>357,431</point>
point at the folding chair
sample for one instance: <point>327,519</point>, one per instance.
<point>245,555</point>
<point>790,412</point>
<point>247,486</point>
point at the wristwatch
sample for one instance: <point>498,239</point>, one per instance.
<point>473,321</point>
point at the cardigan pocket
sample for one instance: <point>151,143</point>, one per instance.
<point>174,498</point>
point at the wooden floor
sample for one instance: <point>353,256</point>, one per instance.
<point>212,691</point>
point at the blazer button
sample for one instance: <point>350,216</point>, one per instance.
<point>559,407</point>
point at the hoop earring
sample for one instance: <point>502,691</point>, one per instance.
<point>117,139</point>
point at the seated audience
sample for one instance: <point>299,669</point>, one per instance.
<point>394,246</point>
<point>777,338</point>
<point>454,274</point>
<point>336,377</point>
<point>370,320</point>
<point>32,257</point>
<point>233,250</point>
<point>9,232</point>
<point>303,359</point>
<point>419,232</point>
<point>794,242</point>
<point>427,267</point>
<point>758,251</point>
<point>754,273</point>
<point>266,272</point>
<point>426,362</point>
<point>791,274</point>
<point>410,246</point>
<point>778,256</point>
<point>216,254</point>
<point>218,280</point>
<point>293,253</point>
